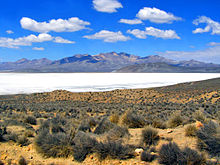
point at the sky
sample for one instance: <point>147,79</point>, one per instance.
<point>54,29</point>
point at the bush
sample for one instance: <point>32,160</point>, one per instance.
<point>132,120</point>
<point>114,118</point>
<point>198,115</point>
<point>54,144</point>
<point>83,144</point>
<point>171,154</point>
<point>192,157</point>
<point>104,126</point>
<point>175,121</point>
<point>190,130</point>
<point>149,136</point>
<point>30,120</point>
<point>147,157</point>
<point>209,138</point>
<point>117,133</point>
<point>114,149</point>
<point>23,141</point>
<point>158,124</point>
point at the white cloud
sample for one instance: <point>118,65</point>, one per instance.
<point>211,54</point>
<point>28,40</point>
<point>108,36</point>
<point>130,21</point>
<point>64,41</point>
<point>59,25</point>
<point>211,26</point>
<point>214,44</point>
<point>9,32</point>
<point>38,48</point>
<point>138,33</point>
<point>151,31</point>
<point>156,15</point>
<point>108,6</point>
<point>24,41</point>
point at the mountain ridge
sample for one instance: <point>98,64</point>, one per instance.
<point>105,62</point>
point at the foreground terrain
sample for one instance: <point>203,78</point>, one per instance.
<point>167,123</point>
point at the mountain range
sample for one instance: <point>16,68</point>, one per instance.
<point>108,62</point>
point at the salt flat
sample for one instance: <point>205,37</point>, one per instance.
<point>19,83</point>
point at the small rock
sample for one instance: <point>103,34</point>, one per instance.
<point>169,131</point>
<point>138,151</point>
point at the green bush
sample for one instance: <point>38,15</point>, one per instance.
<point>158,124</point>
<point>54,144</point>
<point>147,157</point>
<point>209,138</point>
<point>30,120</point>
<point>171,154</point>
<point>190,130</point>
<point>83,144</point>
<point>132,120</point>
<point>114,150</point>
<point>175,121</point>
<point>149,136</point>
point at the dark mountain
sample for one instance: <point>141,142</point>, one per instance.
<point>107,62</point>
<point>24,64</point>
<point>166,68</point>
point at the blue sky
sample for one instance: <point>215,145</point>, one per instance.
<point>54,29</point>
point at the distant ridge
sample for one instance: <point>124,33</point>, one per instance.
<point>108,62</point>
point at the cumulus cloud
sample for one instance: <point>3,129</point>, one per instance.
<point>130,21</point>
<point>62,40</point>
<point>9,32</point>
<point>156,15</point>
<point>151,31</point>
<point>107,6</point>
<point>211,54</point>
<point>28,40</point>
<point>70,25</point>
<point>211,26</point>
<point>24,41</point>
<point>38,48</point>
<point>108,36</point>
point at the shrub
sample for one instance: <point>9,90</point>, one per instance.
<point>147,157</point>
<point>209,138</point>
<point>175,121</point>
<point>22,161</point>
<point>149,136</point>
<point>29,133</point>
<point>30,120</point>
<point>117,133</point>
<point>54,144</point>
<point>171,154</point>
<point>190,130</point>
<point>158,124</point>
<point>199,115</point>
<point>114,149</point>
<point>83,144</point>
<point>132,120</point>
<point>114,118</point>
<point>191,157</point>
<point>104,126</point>
<point>23,141</point>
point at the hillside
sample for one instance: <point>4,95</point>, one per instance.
<point>62,127</point>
